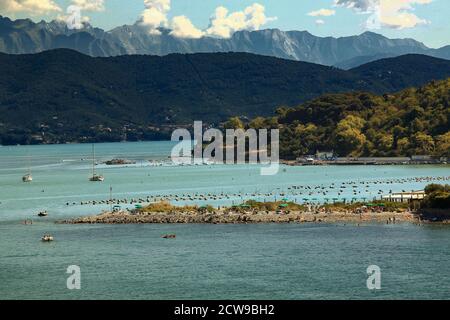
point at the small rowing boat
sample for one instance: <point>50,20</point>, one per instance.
<point>43,214</point>
<point>47,238</point>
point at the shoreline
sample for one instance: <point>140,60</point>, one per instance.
<point>294,163</point>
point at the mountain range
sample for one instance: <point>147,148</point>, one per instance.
<point>25,36</point>
<point>62,95</point>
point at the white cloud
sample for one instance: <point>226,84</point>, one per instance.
<point>74,17</point>
<point>29,6</point>
<point>322,13</point>
<point>223,24</point>
<point>320,22</point>
<point>395,14</point>
<point>90,5</point>
<point>155,15</point>
<point>182,27</point>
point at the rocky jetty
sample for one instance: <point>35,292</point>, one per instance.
<point>222,217</point>
<point>118,162</point>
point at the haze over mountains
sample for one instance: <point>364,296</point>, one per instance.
<point>25,36</point>
<point>62,95</point>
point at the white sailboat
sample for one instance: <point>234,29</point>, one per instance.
<point>95,177</point>
<point>28,177</point>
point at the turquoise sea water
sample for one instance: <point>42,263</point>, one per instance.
<point>206,261</point>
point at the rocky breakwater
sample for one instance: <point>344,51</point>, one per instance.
<point>223,217</point>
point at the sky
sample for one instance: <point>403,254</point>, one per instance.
<point>424,20</point>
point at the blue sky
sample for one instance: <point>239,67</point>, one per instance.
<point>423,20</point>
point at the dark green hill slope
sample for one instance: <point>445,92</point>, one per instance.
<point>73,97</point>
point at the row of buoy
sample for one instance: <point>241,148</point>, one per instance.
<point>333,191</point>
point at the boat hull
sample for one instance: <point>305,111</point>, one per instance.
<point>97,179</point>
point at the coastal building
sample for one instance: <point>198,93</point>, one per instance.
<point>321,158</point>
<point>418,159</point>
<point>374,160</point>
<point>421,158</point>
<point>405,197</point>
<point>310,159</point>
<point>325,155</point>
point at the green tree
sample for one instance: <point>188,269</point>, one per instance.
<point>403,146</point>
<point>423,143</point>
<point>234,123</point>
<point>384,142</point>
<point>258,123</point>
<point>443,145</point>
<point>349,138</point>
<point>417,125</point>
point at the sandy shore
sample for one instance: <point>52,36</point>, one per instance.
<point>234,218</point>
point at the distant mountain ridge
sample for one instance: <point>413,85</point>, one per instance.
<point>64,96</point>
<point>24,36</point>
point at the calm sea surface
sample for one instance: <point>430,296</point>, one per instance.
<point>207,261</point>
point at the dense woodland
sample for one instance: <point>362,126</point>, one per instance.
<point>63,96</point>
<point>437,197</point>
<point>414,121</point>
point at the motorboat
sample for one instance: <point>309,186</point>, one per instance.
<point>27,178</point>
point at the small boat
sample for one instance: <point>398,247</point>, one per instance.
<point>28,177</point>
<point>43,214</point>
<point>169,236</point>
<point>97,178</point>
<point>47,238</point>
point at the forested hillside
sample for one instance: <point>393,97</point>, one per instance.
<point>63,96</point>
<point>414,121</point>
